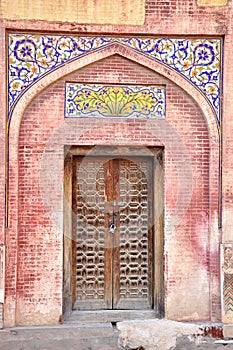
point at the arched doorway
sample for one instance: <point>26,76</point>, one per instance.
<point>47,123</point>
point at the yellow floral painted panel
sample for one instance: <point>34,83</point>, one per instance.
<point>114,101</point>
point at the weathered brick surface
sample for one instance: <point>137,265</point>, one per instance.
<point>39,281</point>
<point>80,11</point>
<point>33,241</point>
<point>173,17</point>
<point>212,2</point>
<point>2,136</point>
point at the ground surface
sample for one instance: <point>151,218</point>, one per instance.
<point>65,337</point>
<point>92,336</point>
<point>184,343</point>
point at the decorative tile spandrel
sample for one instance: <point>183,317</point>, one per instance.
<point>198,60</point>
<point>114,101</point>
<point>227,282</point>
<point>32,56</point>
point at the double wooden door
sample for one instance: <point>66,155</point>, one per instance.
<point>112,225</point>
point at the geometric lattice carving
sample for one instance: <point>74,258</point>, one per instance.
<point>84,100</point>
<point>90,231</point>
<point>134,230</point>
<point>126,260</point>
<point>228,292</point>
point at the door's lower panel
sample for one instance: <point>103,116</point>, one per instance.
<point>133,304</point>
<point>90,304</point>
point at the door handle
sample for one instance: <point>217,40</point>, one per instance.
<point>112,228</point>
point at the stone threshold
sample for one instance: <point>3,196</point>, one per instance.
<point>112,316</point>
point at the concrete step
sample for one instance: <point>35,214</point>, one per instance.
<point>82,336</point>
<point>109,316</point>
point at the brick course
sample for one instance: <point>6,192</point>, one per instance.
<point>39,246</point>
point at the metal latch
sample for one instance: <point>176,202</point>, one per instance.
<point>112,228</point>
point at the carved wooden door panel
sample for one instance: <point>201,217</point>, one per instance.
<point>112,200</point>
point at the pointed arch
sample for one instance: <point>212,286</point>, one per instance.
<point>125,52</point>
<point>52,77</point>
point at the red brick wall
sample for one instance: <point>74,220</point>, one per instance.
<point>188,265</point>
<point>2,137</point>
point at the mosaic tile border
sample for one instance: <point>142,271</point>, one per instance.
<point>31,56</point>
<point>115,101</point>
<point>227,279</point>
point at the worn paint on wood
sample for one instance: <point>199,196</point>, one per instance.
<point>126,186</point>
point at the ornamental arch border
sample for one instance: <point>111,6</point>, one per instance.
<point>113,49</point>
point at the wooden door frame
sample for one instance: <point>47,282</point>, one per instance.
<point>69,241</point>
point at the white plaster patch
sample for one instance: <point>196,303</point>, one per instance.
<point>153,334</point>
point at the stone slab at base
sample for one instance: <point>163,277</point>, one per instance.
<point>228,331</point>
<point>70,337</point>
<point>162,334</point>
<point>1,316</point>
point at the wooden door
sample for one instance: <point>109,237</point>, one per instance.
<point>112,200</point>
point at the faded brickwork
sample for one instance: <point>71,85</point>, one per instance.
<point>84,11</point>
<point>2,140</point>
<point>42,117</point>
<point>33,238</point>
<point>212,2</point>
